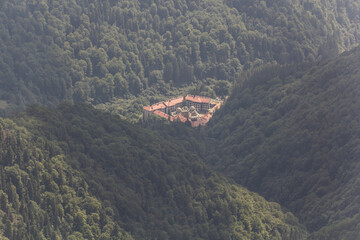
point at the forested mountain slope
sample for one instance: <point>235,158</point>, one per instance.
<point>103,51</point>
<point>292,134</point>
<point>125,176</point>
<point>42,197</point>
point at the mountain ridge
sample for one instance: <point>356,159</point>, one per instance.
<point>292,136</point>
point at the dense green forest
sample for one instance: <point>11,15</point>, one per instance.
<point>119,55</point>
<point>292,134</point>
<point>42,197</point>
<point>77,173</point>
<point>288,132</point>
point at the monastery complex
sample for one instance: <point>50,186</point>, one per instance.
<point>195,109</point>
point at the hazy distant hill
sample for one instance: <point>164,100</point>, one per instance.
<point>292,134</point>
<point>102,51</point>
<point>77,173</point>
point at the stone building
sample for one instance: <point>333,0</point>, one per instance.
<point>202,104</point>
<point>196,109</point>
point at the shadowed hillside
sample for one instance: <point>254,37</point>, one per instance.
<point>289,130</point>
<point>42,197</point>
<point>77,173</point>
<point>292,134</point>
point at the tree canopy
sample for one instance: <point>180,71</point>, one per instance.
<point>109,53</point>
<point>292,134</point>
<point>77,173</point>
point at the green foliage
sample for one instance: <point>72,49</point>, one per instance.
<point>41,196</point>
<point>125,176</point>
<point>291,133</point>
<point>103,51</point>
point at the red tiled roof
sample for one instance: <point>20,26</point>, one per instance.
<point>161,114</point>
<point>197,99</point>
<point>181,118</point>
<point>147,108</point>
<point>174,101</point>
<point>159,107</point>
<point>154,107</point>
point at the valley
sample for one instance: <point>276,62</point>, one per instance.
<point>87,89</point>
